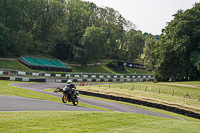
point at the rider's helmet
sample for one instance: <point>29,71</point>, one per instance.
<point>69,82</point>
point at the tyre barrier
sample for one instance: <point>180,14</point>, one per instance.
<point>23,79</point>
<point>4,78</point>
<point>144,103</point>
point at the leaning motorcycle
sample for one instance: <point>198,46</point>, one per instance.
<point>70,96</point>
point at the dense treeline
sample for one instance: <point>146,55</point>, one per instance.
<point>71,29</point>
<point>177,53</point>
<point>82,32</point>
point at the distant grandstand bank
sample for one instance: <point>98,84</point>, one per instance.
<point>44,64</point>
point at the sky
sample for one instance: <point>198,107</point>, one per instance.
<point>149,16</point>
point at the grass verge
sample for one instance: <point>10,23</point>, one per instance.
<point>145,107</point>
<point>13,64</point>
<point>98,122</point>
<point>91,69</point>
<point>157,93</point>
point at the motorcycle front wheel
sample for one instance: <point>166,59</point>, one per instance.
<point>75,101</point>
<point>64,98</point>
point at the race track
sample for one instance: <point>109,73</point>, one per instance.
<point>14,103</point>
<point>27,104</point>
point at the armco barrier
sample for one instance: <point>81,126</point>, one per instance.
<point>103,75</point>
<point>103,80</point>
<point>144,103</point>
<point>27,79</point>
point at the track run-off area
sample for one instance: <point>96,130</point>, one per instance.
<point>14,103</point>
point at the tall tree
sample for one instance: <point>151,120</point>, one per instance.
<point>175,51</point>
<point>112,22</point>
<point>134,44</point>
<point>4,39</point>
<point>93,42</point>
<point>77,21</point>
<point>149,58</point>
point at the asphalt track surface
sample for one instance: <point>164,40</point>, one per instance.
<point>13,103</point>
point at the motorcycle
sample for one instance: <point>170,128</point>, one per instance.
<point>70,96</point>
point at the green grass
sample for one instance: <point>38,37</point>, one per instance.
<point>13,64</point>
<point>104,69</point>
<point>90,69</point>
<point>138,71</point>
<point>147,108</point>
<point>90,122</point>
<point>6,89</point>
<point>188,83</point>
<point>152,93</point>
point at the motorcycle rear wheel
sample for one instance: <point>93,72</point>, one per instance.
<point>64,98</point>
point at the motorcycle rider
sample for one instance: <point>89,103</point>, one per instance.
<point>71,86</point>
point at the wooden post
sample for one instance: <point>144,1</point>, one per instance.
<point>132,88</point>
<point>189,96</point>
<point>173,93</point>
<point>145,88</point>
<point>159,91</point>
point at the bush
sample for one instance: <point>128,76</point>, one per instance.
<point>113,65</point>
